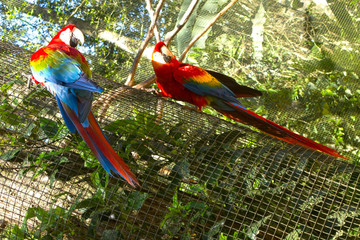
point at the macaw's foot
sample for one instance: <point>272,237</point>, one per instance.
<point>28,78</point>
<point>194,108</point>
<point>151,90</point>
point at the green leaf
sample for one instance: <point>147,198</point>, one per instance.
<point>254,228</point>
<point>345,20</point>
<point>29,129</point>
<point>197,22</point>
<point>88,203</point>
<point>10,154</point>
<point>136,200</point>
<point>41,214</point>
<point>119,125</point>
<point>17,233</point>
<point>196,205</point>
<point>52,178</point>
<point>207,13</point>
<point>112,235</point>
<point>30,213</point>
<point>184,36</point>
<point>294,235</point>
<point>215,229</point>
<point>8,85</point>
<point>182,168</point>
<point>49,126</point>
<point>7,115</point>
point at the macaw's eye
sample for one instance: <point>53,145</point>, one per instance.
<point>73,41</point>
<point>167,58</point>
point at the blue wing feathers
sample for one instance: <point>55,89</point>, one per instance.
<point>84,83</point>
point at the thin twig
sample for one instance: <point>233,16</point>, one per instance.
<point>130,80</point>
<point>150,10</point>
<point>146,83</point>
<point>194,40</point>
<point>170,35</point>
<point>75,11</point>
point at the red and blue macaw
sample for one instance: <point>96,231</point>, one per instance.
<point>64,71</point>
<point>188,83</point>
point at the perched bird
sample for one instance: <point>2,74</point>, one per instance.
<point>188,83</point>
<point>64,71</point>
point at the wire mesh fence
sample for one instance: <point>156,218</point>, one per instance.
<point>201,177</point>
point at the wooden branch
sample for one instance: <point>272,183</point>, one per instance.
<point>150,10</point>
<point>75,11</point>
<point>170,35</point>
<point>130,80</point>
<point>194,40</point>
<point>146,83</point>
<point>105,100</point>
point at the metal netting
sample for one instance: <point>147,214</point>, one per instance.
<point>201,177</point>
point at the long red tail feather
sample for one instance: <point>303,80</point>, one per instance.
<point>250,118</point>
<point>96,140</point>
<point>96,134</point>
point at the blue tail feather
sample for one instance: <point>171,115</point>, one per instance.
<point>66,118</point>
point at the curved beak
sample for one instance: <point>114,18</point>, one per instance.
<point>167,54</point>
<point>76,37</point>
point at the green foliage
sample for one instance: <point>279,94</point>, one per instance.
<point>182,216</point>
<point>109,202</point>
<point>49,224</point>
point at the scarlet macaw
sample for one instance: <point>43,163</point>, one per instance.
<point>188,83</point>
<point>64,71</point>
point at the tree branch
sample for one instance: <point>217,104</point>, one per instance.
<point>170,35</point>
<point>105,100</point>
<point>75,11</point>
<point>150,10</point>
<point>193,41</point>
<point>146,83</point>
<point>130,79</point>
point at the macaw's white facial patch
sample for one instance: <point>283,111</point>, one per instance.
<point>65,36</point>
<point>157,57</point>
<point>72,37</point>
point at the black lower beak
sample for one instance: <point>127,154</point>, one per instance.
<point>74,41</point>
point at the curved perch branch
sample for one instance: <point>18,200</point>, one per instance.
<point>170,35</point>
<point>150,33</point>
<point>194,40</point>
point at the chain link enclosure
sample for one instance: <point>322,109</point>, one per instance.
<point>201,177</point>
